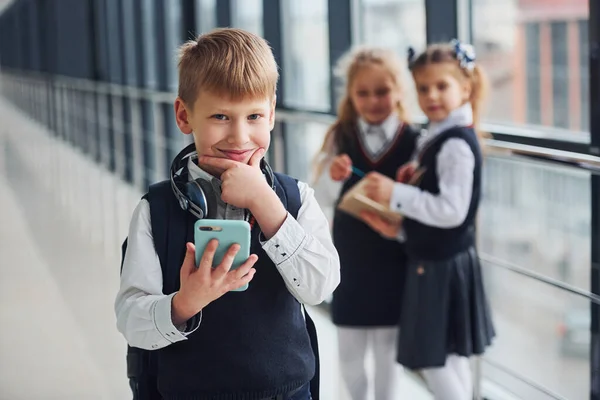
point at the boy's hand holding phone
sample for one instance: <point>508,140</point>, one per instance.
<point>204,284</point>
<point>244,186</point>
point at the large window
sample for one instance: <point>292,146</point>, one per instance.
<point>130,43</point>
<point>306,54</point>
<point>393,24</point>
<point>537,217</point>
<point>173,39</point>
<point>248,15</point>
<point>302,143</point>
<point>396,24</point>
<point>149,45</point>
<point>206,15</point>
<point>534,53</point>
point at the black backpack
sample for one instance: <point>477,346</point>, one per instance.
<point>164,210</point>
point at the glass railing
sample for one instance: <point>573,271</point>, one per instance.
<point>535,230</point>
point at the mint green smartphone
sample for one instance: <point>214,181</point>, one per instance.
<point>228,233</point>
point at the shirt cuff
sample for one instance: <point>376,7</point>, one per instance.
<point>191,325</point>
<point>402,196</point>
<point>286,242</point>
<point>164,323</point>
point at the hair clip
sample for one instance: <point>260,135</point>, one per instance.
<point>411,55</point>
<point>465,54</point>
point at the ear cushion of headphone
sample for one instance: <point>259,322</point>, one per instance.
<point>201,193</point>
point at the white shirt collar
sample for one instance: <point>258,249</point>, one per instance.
<point>196,172</point>
<point>462,116</point>
<point>390,126</point>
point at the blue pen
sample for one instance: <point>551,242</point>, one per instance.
<point>358,172</point>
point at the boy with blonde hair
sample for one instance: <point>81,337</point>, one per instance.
<point>206,342</point>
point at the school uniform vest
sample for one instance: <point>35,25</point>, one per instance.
<point>250,345</point>
<point>372,267</point>
<point>426,242</point>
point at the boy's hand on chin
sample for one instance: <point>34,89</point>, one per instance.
<point>244,186</point>
<point>241,184</point>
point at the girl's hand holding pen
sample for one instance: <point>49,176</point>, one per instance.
<point>341,168</point>
<point>358,172</point>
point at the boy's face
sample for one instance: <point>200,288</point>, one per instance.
<point>225,128</point>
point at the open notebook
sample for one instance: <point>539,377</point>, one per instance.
<point>356,201</point>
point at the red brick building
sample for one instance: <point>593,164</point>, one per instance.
<point>550,64</point>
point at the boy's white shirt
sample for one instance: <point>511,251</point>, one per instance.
<point>455,166</point>
<point>302,251</point>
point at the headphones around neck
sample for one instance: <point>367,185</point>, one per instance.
<point>198,196</point>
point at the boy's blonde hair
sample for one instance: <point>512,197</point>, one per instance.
<point>227,62</point>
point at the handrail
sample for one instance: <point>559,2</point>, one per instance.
<point>573,159</point>
<point>533,132</point>
<point>582,161</point>
<point>496,262</point>
<point>524,380</point>
<point>578,160</point>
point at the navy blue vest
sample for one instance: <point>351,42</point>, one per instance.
<point>432,243</point>
<point>372,268</point>
<point>250,345</point>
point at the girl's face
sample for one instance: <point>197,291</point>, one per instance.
<point>374,94</point>
<point>440,90</point>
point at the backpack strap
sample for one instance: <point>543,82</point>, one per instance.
<point>159,220</point>
<point>124,245</point>
<point>291,193</point>
<point>165,212</point>
<point>314,343</point>
<point>141,364</point>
